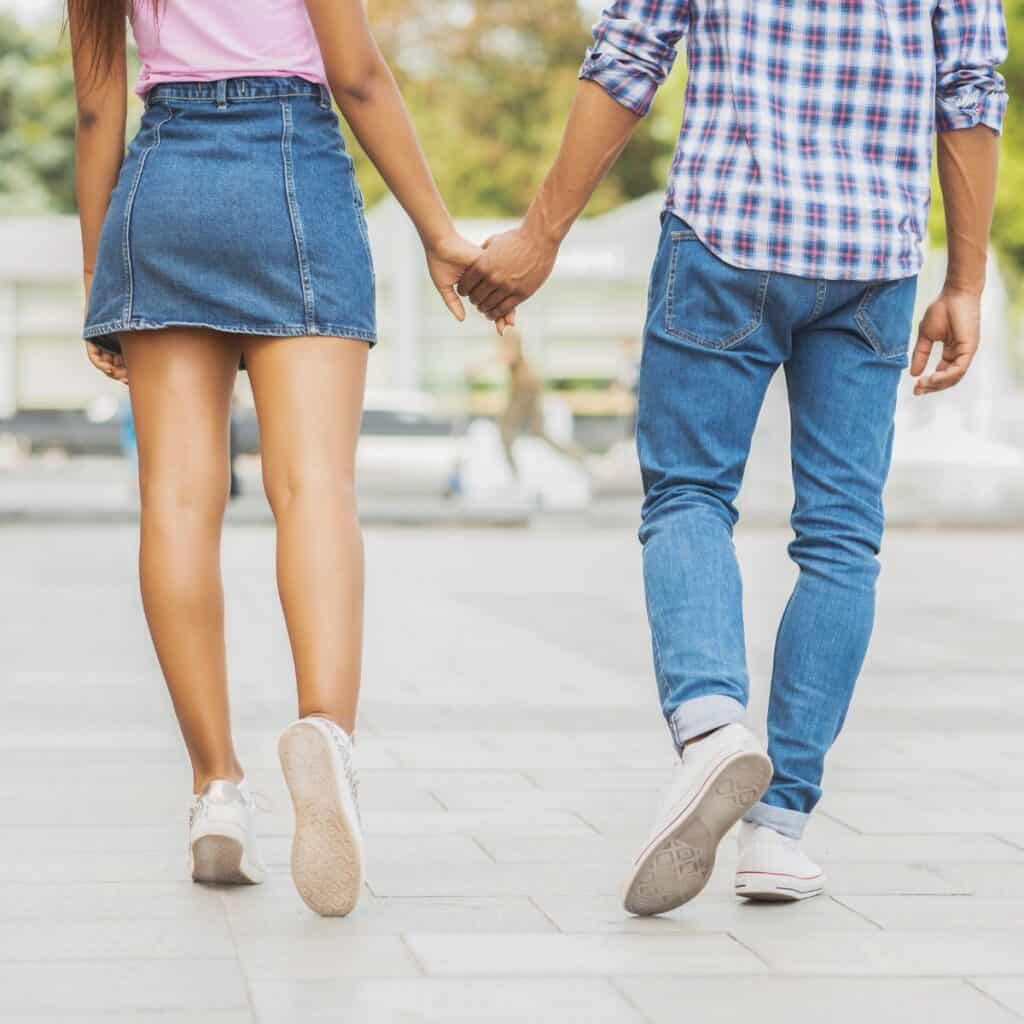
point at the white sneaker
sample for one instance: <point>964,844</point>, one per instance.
<point>222,835</point>
<point>773,867</point>
<point>327,851</point>
<point>716,782</point>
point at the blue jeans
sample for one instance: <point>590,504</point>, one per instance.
<point>715,336</point>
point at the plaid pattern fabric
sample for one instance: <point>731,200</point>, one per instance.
<point>807,137</point>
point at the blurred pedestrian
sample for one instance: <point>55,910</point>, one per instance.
<point>523,415</point>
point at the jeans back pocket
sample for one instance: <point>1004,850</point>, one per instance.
<point>885,316</point>
<point>710,302</point>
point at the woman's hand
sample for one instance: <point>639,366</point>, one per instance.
<point>106,362</point>
<point>448,259</point>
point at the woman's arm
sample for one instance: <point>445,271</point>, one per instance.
<point>368,96</point>
<point>102,96</point>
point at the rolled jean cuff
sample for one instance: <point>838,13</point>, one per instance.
<point>781,819</point>
<point>704,714</point>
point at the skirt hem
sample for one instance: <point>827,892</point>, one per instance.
<point>98,333</point>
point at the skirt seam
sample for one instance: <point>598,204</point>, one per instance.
<point>308,298</point>
<point>126,242</point>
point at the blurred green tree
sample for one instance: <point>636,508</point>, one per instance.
<point>37,120</point>
<point>489,85</point>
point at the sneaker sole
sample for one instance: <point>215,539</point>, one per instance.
<point>220,860</point>
<point>678,864</point>
<point>326,855</point>
<point>768,888</point>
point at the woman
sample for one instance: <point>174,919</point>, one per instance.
<point>233,232</point>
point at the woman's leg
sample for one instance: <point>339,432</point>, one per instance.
<point>181,384</point>
<point>309,399</point>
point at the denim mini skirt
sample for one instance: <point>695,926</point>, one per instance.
<point>236,209</point>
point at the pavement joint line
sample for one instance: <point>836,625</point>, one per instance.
<point>420,965</point>
<point>1006,842</point>
<point>554,923</point>
<point>970,983</point>
<point>586,821</point>
<point>739,942</point>
<point>614,982</point>
<point>839,821</point>
<point>858,913</point>
<point>222,900</point>
<point>487,853</point>
<point>433,796</point>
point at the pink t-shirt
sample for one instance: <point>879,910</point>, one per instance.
<point>207,40</point>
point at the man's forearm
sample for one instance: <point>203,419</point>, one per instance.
<point>518,262</point>
<point>597,132</point>
<point>968,169</point>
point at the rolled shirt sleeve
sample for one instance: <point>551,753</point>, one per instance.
<point>970,43</point>
<point>635,48</point>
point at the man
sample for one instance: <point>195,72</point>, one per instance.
<point>792,237</point>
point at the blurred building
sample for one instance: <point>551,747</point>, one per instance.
<point>959,455</point>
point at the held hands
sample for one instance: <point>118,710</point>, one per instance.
<point>954,321</point>
<point>511,269</point>
<point>447,260</point>
<point>106,362</point>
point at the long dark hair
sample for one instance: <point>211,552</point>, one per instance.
<point>102,22</point>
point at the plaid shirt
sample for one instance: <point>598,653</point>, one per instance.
<point>807,138</point>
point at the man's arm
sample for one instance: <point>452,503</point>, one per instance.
<point>970,41</point>
<point>634,50</point>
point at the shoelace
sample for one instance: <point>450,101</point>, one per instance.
<point>197,810</point>
<point>344,744</point>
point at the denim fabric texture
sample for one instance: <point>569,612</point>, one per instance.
<point>237,209</point>
<point>715,336</point>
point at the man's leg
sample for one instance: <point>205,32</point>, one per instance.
<point>698,406</point>
<point>715,336</point>
<point>843,378</point>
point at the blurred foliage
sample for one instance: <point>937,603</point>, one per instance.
<point>489,85</point>
<point>37,121</point>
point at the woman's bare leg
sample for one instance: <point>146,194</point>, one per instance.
<point>181,384</point>
<point>309,399</point>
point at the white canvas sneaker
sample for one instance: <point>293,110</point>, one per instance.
<point>327,851</point>
<point>715,783</point>
<point>222,835</point>
<point>773,867</point>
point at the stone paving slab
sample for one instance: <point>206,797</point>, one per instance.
<point>511,751</point>
<point>836,1000</point>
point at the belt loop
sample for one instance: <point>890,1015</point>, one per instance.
<point>325,97</point>
<point>222,94</point>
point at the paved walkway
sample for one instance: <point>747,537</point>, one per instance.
<point>511,751</point>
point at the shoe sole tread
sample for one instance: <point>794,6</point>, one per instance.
<point>326,856</point>
<point>676,867</point>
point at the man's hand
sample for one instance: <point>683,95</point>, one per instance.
<point>953,320</point>
<point>513,266</point>
<point>447,260</point>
